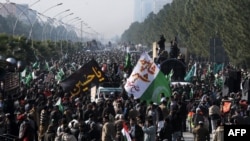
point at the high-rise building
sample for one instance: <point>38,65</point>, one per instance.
<point>159,4</point>
<point>144,7</point>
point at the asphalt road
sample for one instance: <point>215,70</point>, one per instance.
<point>190,137</point>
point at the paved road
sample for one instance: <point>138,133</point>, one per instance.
<point>190,137</point>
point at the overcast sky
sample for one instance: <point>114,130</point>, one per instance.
<point>107,17</point>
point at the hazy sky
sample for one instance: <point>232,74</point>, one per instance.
<point>107,17</point>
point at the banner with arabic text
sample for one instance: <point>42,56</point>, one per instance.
<point>147,82</point>
<point>80,81</point>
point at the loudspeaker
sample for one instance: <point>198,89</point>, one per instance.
<point>177,66</point>
<point>234,81</point>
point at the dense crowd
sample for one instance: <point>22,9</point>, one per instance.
<point>34,115</point>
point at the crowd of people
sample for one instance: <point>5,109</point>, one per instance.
<point>35,115</point>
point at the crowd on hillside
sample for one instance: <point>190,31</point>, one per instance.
<point>34,115</point>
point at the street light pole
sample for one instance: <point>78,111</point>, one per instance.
<point>52,7</point>
<point>78,19</point>
<point>53,18</point>
<point>30,33</point>
<point>70,21</point>
<point>81,30</point>
<point>63,18</point>
<point>49,21</point>
<point>66,30</point>
<point>78,31</point>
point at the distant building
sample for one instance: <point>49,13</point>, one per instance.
<point>6,9</point>
<point>144,7</point>
<point>20,11</point>
<point>159,4</point>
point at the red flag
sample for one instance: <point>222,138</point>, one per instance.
<point>226,106</point>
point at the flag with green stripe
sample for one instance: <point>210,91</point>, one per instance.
<point>146,81</point>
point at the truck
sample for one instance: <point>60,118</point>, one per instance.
<point>100,93</point>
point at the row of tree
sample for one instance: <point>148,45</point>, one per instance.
<point>30,51</point>
<point>195,22</point>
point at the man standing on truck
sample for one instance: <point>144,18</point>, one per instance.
<point>161,44</point>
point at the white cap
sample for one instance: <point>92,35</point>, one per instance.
<point>155,104</point>
<point>163,99</point>
<point>197,110</point>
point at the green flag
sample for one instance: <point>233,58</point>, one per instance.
<point>169,76</point>
<point>59,75</point>
<point>73,66</point>
<point>190,74</point>
<point>191,94</point>
<point>128,63</point>
<point>28,79</point>
<point>36,65</point>
<point>208,70</point>
<point>217,68</point>
<point>59,104</point>
<point>218,81</point>
<point>23,73</point>
<point>52,68</point>
<point>47,68</point>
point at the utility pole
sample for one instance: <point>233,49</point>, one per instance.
<point>81,30</point>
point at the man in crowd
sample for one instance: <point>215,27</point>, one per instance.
<point>201,133</point>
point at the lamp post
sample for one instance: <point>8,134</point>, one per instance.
<point>32,47</point>
<point>85,24</point>
<point>69,22</point>
<point>65,29</point>
<point>78,35</point>
<point>63,18</point>
<point>21,15</point>
<point>39,16</point>
<point>70,29</point>
<point>66,16</point>
<point>30,33</point>
<point>60,21</point>
<point>81,30</point>
<point>48,21</point>
<point>76,20</point>
<point>52,19</point>
<point>56,34</point>
<point>71,32</point>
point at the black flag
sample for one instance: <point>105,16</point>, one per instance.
<point>81,80</point>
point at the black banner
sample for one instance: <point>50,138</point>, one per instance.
<point>81,80</point>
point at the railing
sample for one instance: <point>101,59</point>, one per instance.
<point>8,137</point>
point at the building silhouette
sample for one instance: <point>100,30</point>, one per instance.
<point>144,7</point>
<point>20,11</point>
